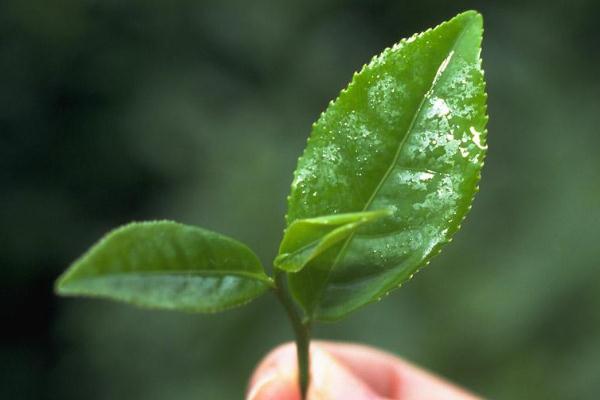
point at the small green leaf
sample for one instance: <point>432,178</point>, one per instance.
<point>167,265</point>
<point>305,239</point>
<point>408,134</point>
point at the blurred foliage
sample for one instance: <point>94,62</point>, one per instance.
<point>114,111</point>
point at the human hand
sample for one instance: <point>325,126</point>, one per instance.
<point>344,371</point>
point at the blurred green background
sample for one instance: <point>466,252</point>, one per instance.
<point>112,111</point>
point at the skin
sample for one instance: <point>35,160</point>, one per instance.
<point>350,372</point>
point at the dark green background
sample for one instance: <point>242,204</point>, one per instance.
<point>112,111</point>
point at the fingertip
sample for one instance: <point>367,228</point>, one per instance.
<point>394,377</point>
<point>275,376</point>
<point>280,358</point>
<point>273,387</point>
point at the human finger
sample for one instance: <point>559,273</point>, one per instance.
<point>276,378</point>
<point>392,377</point>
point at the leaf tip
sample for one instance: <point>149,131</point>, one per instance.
<point>470,20</point>
<point>64,288</point>
<point>63,284</point>
<point>471,16</point>
<point>58,288</point>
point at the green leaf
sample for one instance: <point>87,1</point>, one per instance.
<point>167,265</point>
<point>408,134</point>
<point>305,239</point>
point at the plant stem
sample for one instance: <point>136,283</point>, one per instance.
<point>301,331</point>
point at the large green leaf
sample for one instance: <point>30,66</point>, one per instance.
<point>408,134</point>
<point>306,239</point>
<point>169,266</point>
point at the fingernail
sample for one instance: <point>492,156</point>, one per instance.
<point>265,380</point>
<point>272,386</point>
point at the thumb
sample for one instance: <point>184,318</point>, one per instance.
<point>276,378</point>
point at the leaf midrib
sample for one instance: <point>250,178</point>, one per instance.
<point>195,273</point>
<point>396,156</point>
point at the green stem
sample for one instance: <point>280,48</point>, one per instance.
<point>301,330</point>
